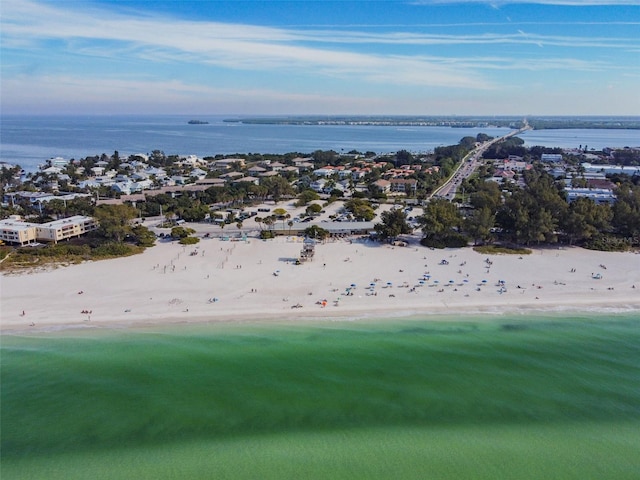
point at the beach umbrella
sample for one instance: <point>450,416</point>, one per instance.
<point>436,281</point>
<point>389,283</point>
<point>372,284</point>
<point>484,281</point>
<point>451,281</point>
<point>421,282</point>
<point>465,280</point>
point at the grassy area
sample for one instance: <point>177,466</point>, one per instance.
<point>62,254</point>
<point>500,249</point>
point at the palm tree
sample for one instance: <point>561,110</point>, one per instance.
<point>268,221</point>
<point>290,223</point>
<point>259,221</point>
<point>281,214</point>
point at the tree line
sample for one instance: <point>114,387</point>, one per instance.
<point>535,214</point>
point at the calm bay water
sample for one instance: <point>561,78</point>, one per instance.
<point>525,397</point>
<point>29,141</point>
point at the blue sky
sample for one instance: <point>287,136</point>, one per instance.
<point>441,57</point>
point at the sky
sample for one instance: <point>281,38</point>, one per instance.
<point>366,57</point>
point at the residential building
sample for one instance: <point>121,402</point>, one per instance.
<point>253,180</point>
<point>226,163</point>
<point>211,182</point>
<point>404,185</point>
<point>598,195</point>
<point>551,157</point>
<point>382,185</point>
<point>65,228</point>
<point>610,169</point>
<point>256,170</point>
<point>16,231</point>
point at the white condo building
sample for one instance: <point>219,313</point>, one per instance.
<point>16,231</point>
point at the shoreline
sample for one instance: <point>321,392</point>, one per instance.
<point>226,282</point>
<point>173,325</point>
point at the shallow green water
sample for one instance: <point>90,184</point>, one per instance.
<point>519,397</point>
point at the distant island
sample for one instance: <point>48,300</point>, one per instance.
<point>537,123</point>
<point>198,122</point>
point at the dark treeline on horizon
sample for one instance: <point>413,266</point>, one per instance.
<point>507,121</point>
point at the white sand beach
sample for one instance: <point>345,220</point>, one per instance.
<point>223,281</point>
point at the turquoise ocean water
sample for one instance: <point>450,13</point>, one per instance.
<point>521,397</point>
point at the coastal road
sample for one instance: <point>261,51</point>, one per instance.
<point>469,164</point>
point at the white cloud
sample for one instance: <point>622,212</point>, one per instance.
<point>72,95</point>
<point>79,95</point>
<point>211,43</point>
<point>302,54</point>
<point>158,39</point>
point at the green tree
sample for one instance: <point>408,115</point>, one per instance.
<point>143,236</point>
<point>487,195</point>
<point>305,197</point>
<point>313,209</point>
<point>585,219</point>
<point>55,207</point>
<point>325,157</point>
<point>316,232</point>
<point>441,224</point>
<point>440,217</point>
<point>360,208</point>
<point>277,188</point>
<point>626,211</point>
<point>533,214</point>
<point>114,221</point>
<point>393,223</point>
<point>269,221</point>
<point>195,213</point>
<point>189,240</point>
<point>282,215</point>
<point>181,232</point>
<point>404,157</point>
<point>479,225</point>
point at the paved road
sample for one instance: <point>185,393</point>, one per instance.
<point>469,164</point>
